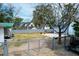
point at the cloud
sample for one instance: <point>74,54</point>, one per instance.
<point>26,10</point>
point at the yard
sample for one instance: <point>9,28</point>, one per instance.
<point>44,18</point>
<point>35,44</point>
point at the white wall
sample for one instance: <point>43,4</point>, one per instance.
<point>71,30</point>
<point>1,34</point>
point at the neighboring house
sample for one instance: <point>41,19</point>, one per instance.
<point>24,24</point>
<point>27,25</point>
<point>46,27</point>
<point>30,25</point>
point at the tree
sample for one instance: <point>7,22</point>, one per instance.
<point>42,15</point>
<point>56,15</point>
<point>6,13</point>
<point>64,14</point>
<point>17,22</point>
<point>76,28</point>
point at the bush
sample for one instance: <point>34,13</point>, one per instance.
<point>76,28</point>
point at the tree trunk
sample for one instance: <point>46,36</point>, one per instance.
<point>59,38</point>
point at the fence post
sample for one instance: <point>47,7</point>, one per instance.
<point>5,48</point>
<point>28,47</point>
<point>65,42</point>
<point>53,43</point>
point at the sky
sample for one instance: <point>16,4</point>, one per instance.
<point>25,10</point>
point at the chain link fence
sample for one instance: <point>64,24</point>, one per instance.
<point>28,47</point>
<point>35,47</point>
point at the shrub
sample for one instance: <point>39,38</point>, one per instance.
<point>76,28</point>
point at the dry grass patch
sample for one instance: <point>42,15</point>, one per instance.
<point>27,36</point>
<point>20,39</point>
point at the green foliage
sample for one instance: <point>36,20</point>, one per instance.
<point>43,15</point>
<point>18,20</point>
<point>76,28</point>
<point>6,13</point>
